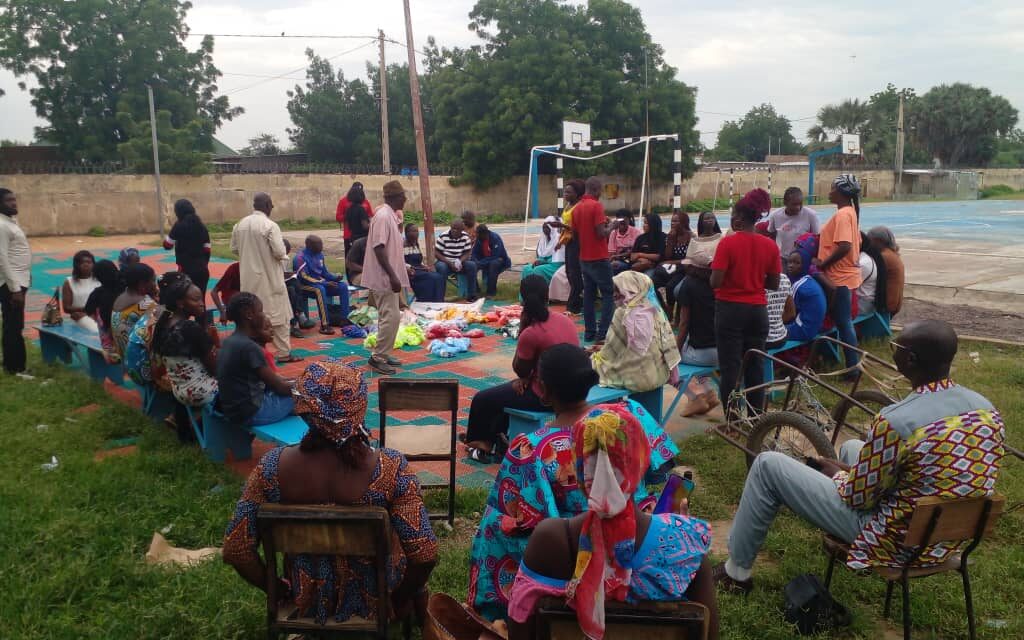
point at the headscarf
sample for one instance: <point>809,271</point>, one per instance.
<point>546,246</point>
<point>612,455</point>
<point>128,256</point>
<point>847,184</point>
<point>332,397</point>
<point>642,308</point>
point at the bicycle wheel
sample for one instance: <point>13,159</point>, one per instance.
<point>790,433</point>
<point>871,398</point>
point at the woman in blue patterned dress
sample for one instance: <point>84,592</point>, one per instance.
<point>537,479</point>
<point>336,465</point>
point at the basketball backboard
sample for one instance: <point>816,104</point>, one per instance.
<point>851,144</point>
<point>576,135</point>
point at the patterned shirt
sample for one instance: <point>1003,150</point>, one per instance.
<point>943,440</point>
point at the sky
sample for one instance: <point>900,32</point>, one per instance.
<point>797,55</point>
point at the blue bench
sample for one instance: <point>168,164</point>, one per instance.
<point>874,325</point>
<point>686,373</point>
<point>66,342</point>
<point>520,421</point>
<point>216,434</point>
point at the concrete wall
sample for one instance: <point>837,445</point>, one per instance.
<point>73,204</point>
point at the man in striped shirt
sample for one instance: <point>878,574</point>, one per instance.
<point>452,251</point>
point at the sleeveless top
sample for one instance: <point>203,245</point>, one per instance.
<point>80,290</point>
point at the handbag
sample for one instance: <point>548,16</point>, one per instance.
<point>51,312</point>
<point>811,608</point>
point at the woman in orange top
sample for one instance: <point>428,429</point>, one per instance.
<point>839,255</point>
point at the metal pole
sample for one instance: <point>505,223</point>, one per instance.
<point>677,175</point>
<point>421,145</point>
<point>643,181</point>
<point>899,151</point>
<point>156,163</point>
<point>385,143</point>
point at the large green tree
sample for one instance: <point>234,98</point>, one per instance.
<point>961,124</point>
<point>544,61</point>
<point>92,59</point>
<point>263,144</point>
<point>748,138</point>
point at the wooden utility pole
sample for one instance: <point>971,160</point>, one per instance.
<point>156,163</point>
<point>421,145</point>
<point>385,144</point>
<point>899,148</point>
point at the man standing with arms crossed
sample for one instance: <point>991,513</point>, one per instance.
<point>261,255</point>
<point>15,278</point>
<point>384,274</point>
<point>592,227</point>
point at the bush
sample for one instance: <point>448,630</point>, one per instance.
<point>707,204</point>
<point>96,232</point>
<point>997,190</point>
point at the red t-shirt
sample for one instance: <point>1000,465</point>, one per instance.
<point>536,338</point>
<point>587,214</point>
<point>339,215</point>
<point>230,283</point>
<point>746,258</point>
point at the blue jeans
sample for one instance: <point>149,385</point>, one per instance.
<point>597,276</point>
<point>274,408</point>
<point>840,314</point>
<point>468,270</point>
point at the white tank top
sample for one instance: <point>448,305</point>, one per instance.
<point>80,290</point>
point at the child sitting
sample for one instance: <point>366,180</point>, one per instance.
<point>315,278</point>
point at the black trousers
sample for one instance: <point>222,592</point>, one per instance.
<point>199,275</point>
<point>669,281</point>
<point>574,273</point>
<point>14,324</point>
<point>740,327</point>
<point>487,419</point>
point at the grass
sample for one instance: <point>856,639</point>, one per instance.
<point>74,538</point>
<point>1002,192</point>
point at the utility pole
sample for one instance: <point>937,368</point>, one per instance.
<point>385,144</point>
<point>899,148</point>
<point>421,145</point>
<point>156,163</point>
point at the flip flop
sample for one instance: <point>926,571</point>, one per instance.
<point>289,359</point>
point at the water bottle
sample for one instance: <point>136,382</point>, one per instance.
<point>675,497</point>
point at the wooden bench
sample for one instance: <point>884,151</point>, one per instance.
<point>520,421</point>
<point>66,342</point>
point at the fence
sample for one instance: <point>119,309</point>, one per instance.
<point>42,167</point>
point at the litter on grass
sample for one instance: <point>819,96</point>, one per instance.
<point>51,465</point>
<point>164,553</point>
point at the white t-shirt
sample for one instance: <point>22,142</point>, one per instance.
<point>776,303</point>
<point>789,228</point>
<point>868,284</point>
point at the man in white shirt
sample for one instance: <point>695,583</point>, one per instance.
<point>793,220</point>
<point>261,255</point>
<point>15,279</point>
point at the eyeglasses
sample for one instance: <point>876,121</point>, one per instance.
<point>895,346</point>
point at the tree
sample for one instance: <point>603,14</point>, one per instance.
<point>1011,150</point>
<point>264,144</point>
<point>92,60</point>
<point>748,138</point>
<point>961,124</point>
<point>544,61</point>
<point>849,116</point>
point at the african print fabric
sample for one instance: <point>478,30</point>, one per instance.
<point>944,440</point>
<point>339,587</point>
<point>537,480</point>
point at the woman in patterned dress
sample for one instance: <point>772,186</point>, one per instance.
<point>613,551</point>
<point>335,465</point>
<point>537,479</point>
<point>140,283</point>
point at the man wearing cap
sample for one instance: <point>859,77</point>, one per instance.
<point>384,274</point>
<point>696,337</point>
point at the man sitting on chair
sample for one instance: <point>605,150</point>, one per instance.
<point>943,440</point>
<point>316,278</point>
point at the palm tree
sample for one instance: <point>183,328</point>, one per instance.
<point>849,116</point>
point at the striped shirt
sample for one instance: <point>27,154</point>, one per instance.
<point>452,248</point>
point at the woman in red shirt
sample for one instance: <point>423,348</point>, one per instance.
<point>746,263</point>
<point>352,223</point>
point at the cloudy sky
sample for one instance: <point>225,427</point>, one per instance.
<point>794,54</point>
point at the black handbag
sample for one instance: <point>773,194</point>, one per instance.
<point>811,608</point>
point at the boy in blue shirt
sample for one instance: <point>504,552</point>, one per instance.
<point>314,277</point>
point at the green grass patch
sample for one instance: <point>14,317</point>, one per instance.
<point>73,540</point>
<point>1001,192</point>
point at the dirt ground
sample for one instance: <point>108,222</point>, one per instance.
<point>968,321</point>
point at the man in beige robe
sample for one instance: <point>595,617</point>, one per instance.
<point>257,241</point>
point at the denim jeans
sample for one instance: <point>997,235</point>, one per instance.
<point>274,408</point>
<point>840,314</point>
<point>597,276</point>
<point>739,328</point>
<point>468,270</point>
<point>491,268</point>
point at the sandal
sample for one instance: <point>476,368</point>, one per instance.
<point>291,358</point>
<point>726,583</point>
<point>479,455</point>
<point>326,331</point>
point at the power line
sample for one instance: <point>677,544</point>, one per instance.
<point>277,36</point>
<point>302,68</point>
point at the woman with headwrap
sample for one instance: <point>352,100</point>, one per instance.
<point>191,243</point>
<point>101,303</point>
<point>550,256</point>
<point>188,351</point>
<point>336,465</point>
<point>538,478</point>
<point>129,307</point>
<point>640,353</point>
<point>612,551</point>
<point>881,238</point>
<point>746,264</point>
<point>839,258</point>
